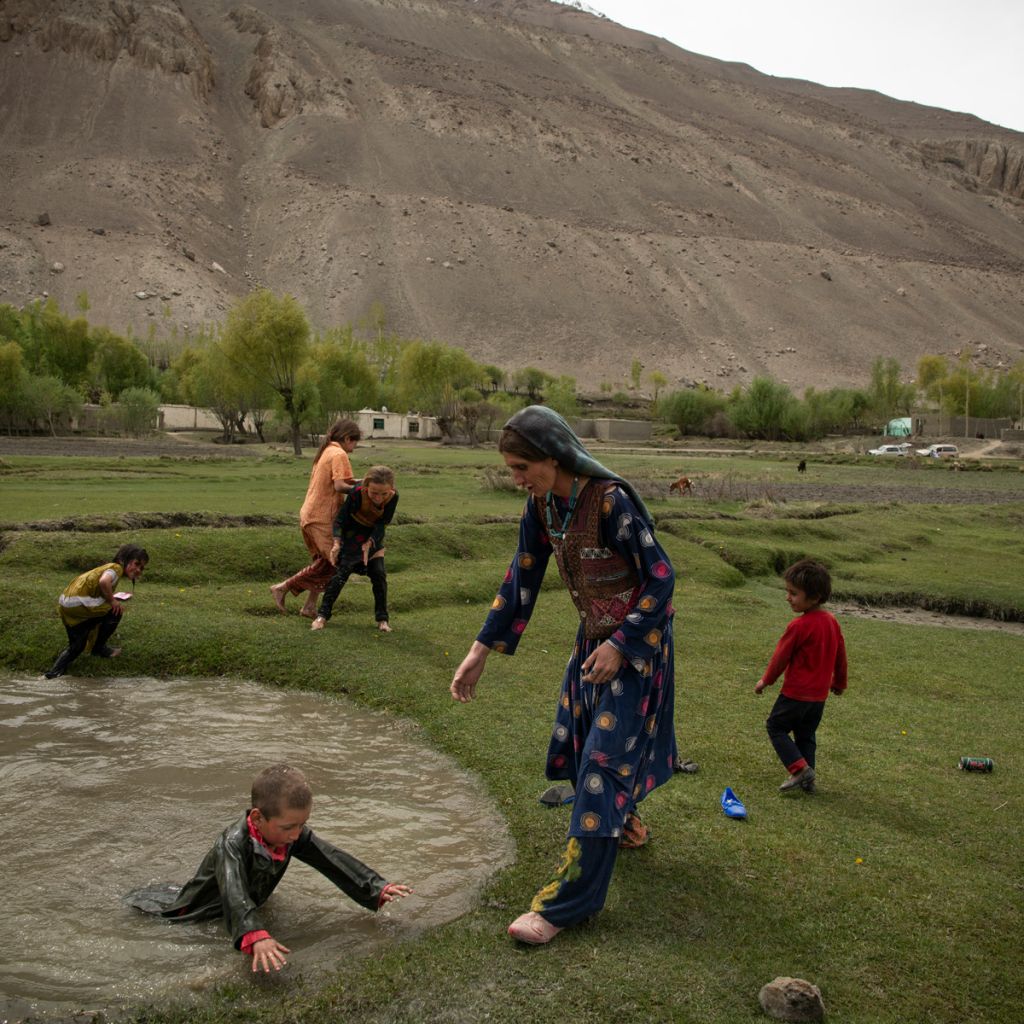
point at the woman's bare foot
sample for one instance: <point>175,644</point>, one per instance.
<point>309,608</point>
<point>384,627</point>
<point>278,592</point>
<point>319,622</point>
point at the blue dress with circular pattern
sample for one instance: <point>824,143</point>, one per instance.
<point>615,742</point>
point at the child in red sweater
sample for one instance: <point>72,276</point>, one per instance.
<point>812,654</point>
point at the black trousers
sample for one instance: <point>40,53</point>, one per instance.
<point>799,717</point>
<point>78,637</point>
<point>378,579</point>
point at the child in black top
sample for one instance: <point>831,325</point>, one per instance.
<point>359,543</point>
<point>251,856</point>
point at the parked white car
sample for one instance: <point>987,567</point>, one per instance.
<point>889,449</point>
<point>939,451</point>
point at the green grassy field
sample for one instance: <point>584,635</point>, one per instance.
<point>897,889</point>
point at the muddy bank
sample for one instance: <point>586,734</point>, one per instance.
<point>923,617</point>
<point>147,521</point>
<point>135,447</point>
<point>903,494</point>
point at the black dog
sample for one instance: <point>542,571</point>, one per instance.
<point>802,467</point>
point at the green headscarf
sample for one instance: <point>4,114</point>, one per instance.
<point>548,432</point>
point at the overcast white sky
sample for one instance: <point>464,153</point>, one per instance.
<point>964,55</point>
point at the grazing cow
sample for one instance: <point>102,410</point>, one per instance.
<point>682,485</point>
<point>802,466</point>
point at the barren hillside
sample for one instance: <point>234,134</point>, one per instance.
<point>525,180</point>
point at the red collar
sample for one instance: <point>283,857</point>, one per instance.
<point>276,852</point>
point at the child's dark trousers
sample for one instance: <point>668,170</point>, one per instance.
<point>799,717</point>
<point>78,637</point>
<point>378,579</point>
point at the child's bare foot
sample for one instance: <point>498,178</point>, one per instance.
<point>384,627</point>
<point>278,592</point>
<point>309,608</point>
<point>319,622</point>
<point>115,652</point>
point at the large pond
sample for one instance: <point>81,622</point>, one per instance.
<point>107,785</point>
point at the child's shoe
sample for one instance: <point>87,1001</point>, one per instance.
<point>798,779</point>
<point>808,786</point>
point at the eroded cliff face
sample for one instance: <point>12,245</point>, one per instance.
<point>993,165</point>
<point>287,76</point>
<point>154,35</point>
<point>517,177</point>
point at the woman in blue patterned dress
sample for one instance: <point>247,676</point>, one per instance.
<point>614,736</point>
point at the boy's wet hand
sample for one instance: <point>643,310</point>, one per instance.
<point>394,891</point>
<point>268,953</point>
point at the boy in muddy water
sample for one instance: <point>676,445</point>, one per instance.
<point>251,856</point>
<point>812,654</point>
<point>91,607</point>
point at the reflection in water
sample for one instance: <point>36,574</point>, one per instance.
<point>108,785</point>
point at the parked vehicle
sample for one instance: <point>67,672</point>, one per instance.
<point>888,449</point>
<point>939,451</point>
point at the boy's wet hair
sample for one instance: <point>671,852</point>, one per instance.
<point>131,552</point>
<point>380,475</point>
<point>811,577</point>
<point>280,788</point>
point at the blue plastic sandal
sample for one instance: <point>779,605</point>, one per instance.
<point>732,805</point>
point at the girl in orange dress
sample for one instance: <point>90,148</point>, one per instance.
<point>329,483</point>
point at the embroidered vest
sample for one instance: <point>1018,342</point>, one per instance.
<point>601,583</point>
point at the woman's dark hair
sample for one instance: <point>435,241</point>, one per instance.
<point>512,442</point>
<point>131,552</point>
<point>811,577</point>
<point>340,431</point>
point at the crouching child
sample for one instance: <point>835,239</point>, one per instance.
<point>91,607</point>
<point>359,543</point>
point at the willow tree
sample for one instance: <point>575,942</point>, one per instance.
<point>266,339</point>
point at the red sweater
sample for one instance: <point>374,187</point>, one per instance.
<point>812,653</point>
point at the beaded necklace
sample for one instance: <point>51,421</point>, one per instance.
<point>552,532</point>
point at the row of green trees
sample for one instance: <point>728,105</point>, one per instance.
<point>266,359</point>
<point>50,364</point>
<point>266,362</point>
<point>769,410</point>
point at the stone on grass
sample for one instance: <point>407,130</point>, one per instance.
<point>792,999</point>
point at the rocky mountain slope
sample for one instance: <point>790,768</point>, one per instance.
<point>525,180</point>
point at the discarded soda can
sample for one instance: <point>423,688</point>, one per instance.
<point>976,764</point>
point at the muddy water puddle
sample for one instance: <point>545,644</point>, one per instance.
<point>110,785</point>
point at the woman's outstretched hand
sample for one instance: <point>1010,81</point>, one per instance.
<point>467,675</point>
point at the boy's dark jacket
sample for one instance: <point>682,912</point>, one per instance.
<point>238,875</point>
